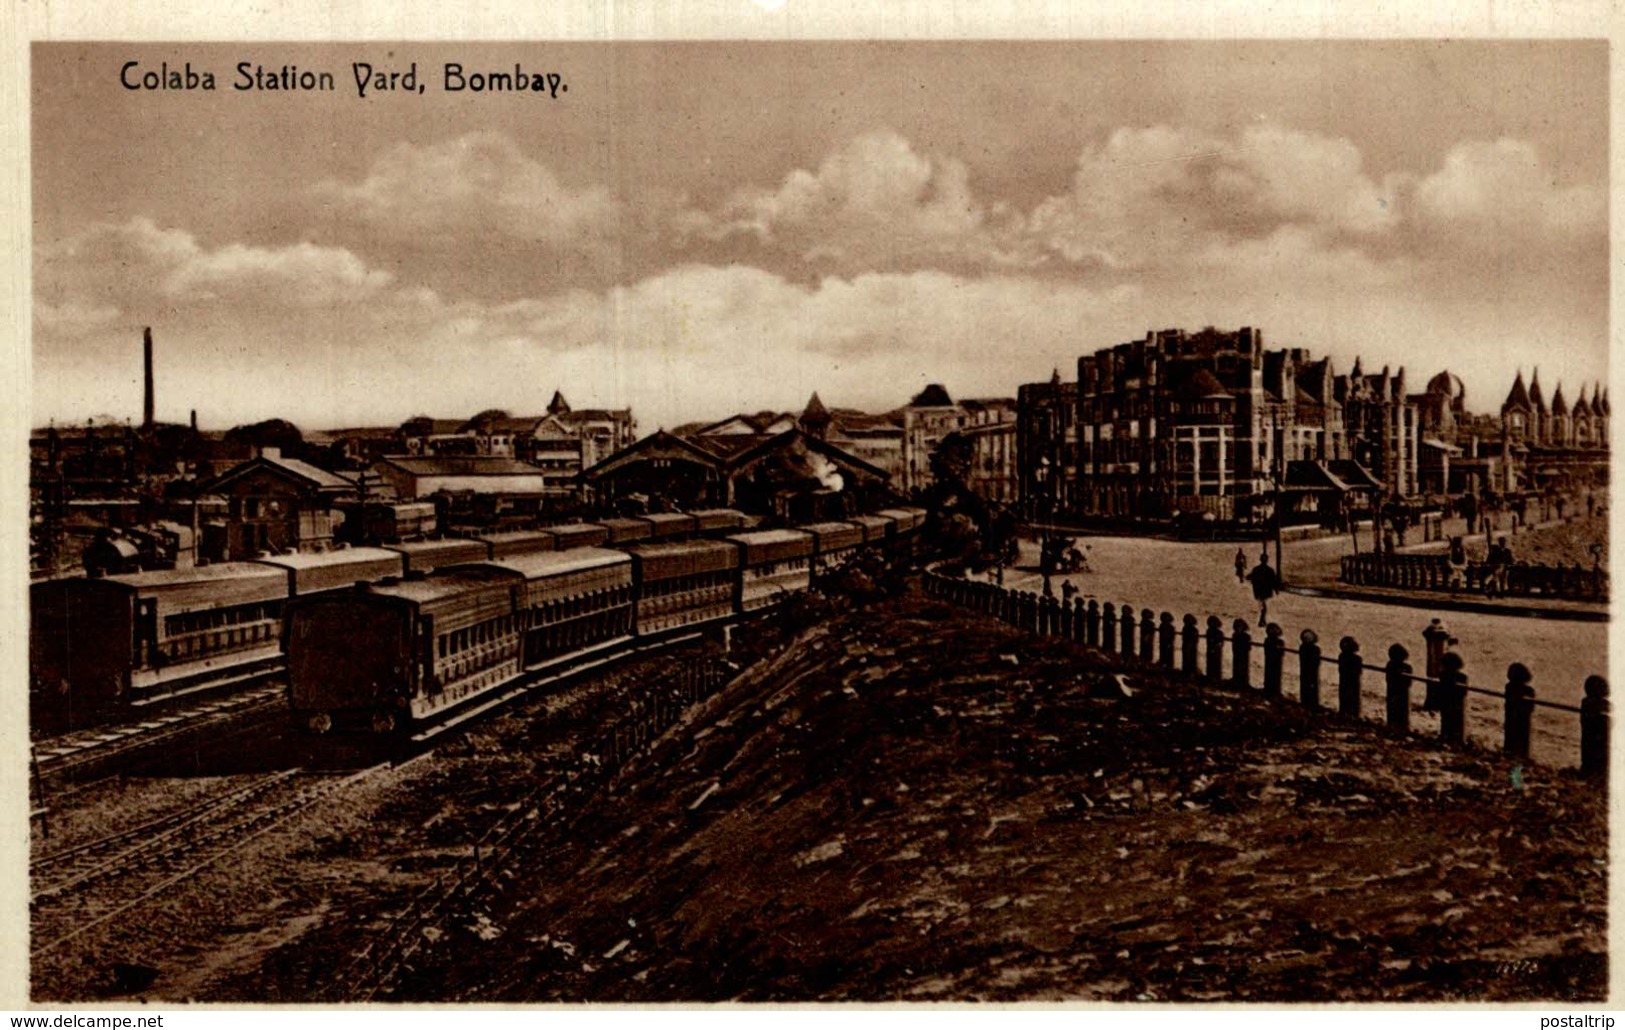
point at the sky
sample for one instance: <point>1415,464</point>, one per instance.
<point>701,228</point>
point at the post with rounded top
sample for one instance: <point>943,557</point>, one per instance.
<point>1596,719</point>
<point>1520,711</point>
<point>1091,624</point>
<point>1274,659</point>
<point>1108,626</point>
<point>1452,699</point>
<point>1349,667</point>
<point>1215,648</point>
<point>1165,640</point>
<point>1398,674</point>
<point>1078,615</point>
<point>1045,621</point>
<point>1309,669</point>
<point>1435,637</point>
<point>1148,636</point>
<point>1063,619</point>
<point>1241,655</point>
<point>1125,614</point>
<point>1189,638</point>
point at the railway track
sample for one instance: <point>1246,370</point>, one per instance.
<point>75,752</point>
<point>82,888</point>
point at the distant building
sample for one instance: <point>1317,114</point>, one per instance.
<point>790,475</point>
<point>273,504</point>
<point>1047,447</point>
<point>991,429</point>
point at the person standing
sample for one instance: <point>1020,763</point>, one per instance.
<point>1265,583</point>
<point>1241,566</point>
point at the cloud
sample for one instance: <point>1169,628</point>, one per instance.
<point>136,270</point>
<point>1147,196</point>
<point>873,203</point>
<point>1506,187</point>
<point>478,185</point>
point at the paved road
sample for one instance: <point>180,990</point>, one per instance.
<point>1200,578</point>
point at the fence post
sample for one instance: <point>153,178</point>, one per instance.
<point>1241,655</point>
<point>1435,636</point>
<point>1077,620</point>
<point>1274,658</point>
<point>1520,711</point>
<point>1309,669</point>
<point>1091,624</point>
<point>1399,689</point>
<point>1148,636</point>
<point>1044,617</point>
<point>1063,619</point>
<point>1108,626</point>
<point>1125,615</point>
<point>1165,640</point>
<point>1215,648</point>
<point>1188,639</point>
<point>1452,699</point>
<point>1595,722</point>
<point>1349,665</point>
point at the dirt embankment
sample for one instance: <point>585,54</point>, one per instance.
<point>922,805</point>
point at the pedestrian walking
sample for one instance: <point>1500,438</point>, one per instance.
<point>1265,583</point>
<point>1499,558</point>
<point>1241,566</point>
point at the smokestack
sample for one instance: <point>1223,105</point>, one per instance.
<point>146,403</point>
<point>194,421</point>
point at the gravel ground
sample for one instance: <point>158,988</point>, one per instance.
<point>911,803</point>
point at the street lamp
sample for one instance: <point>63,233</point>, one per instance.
<point>1044,490</point>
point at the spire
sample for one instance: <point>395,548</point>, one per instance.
<point>1536,399</point>
<point>815,408</point>
<point>1518,397</point>
<point>815,418</point>
<point>558,406</point>
<point>1357,373</point>
<point>1055,377</point>
<point>1559,405</point>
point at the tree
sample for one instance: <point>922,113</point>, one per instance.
<point>273,432</point>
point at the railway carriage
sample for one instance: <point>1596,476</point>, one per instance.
<point>578,534</point>
<point>517,542</point>
<point>833,542</point>
<point>901,541</point>
<point>335,570</point>
<point>875,527</point>
<point>774,563</point>
<point>670,525</point>
<point>402,649</point>
<point>571,600</point>
<point>101,646</point>
<point>716,520</point>
<point>428,555</point>
<point>626,531</point>
<point>680,584</point>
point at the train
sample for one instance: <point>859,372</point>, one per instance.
<point>398,653</point>
<point>114,648</point>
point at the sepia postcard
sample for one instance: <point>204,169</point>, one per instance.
<point>809,509</point>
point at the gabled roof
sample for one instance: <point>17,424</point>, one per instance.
<point>933,396</point>
<point>292,468</point>
<point>659,444</point>
<point>1202,384</point>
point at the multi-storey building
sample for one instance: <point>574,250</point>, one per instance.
<point>1209,422</point>
<point>1047,446</point>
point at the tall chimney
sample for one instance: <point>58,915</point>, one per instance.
<point>146,402</point>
